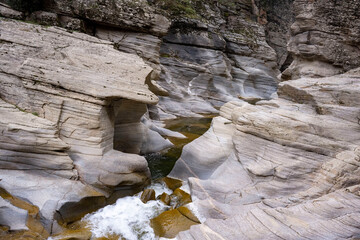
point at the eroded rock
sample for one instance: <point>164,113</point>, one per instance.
<point>170,223</point>
<point>291,170</point>
<point>54,144</point>
<point>147,195</point>
<point>324,38</point>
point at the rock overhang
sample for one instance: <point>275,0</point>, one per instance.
<point>67,61</point>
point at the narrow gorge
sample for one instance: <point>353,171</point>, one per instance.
<point>179,119</point>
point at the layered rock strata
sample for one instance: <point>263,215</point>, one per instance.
<point>277,17</point>
<point>66,99</point>
<point>285,168</point>
<point>201,60</point>
<point>324,39</point>
<point>219,55</point>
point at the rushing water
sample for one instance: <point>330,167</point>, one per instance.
<point>129,218</point>
<point>161,163</point>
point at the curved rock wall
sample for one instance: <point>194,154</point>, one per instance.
<point>200,60</point>
<point>214,58</point>
<point>285,169</point>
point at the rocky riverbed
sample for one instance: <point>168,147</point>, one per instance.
<point>94,97</point>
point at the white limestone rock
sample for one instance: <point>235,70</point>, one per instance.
<point>64,97</point>
<point>292,171</point>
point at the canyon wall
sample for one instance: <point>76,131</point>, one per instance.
<point>77,109</point>
<point>287,168</point>
<point>63,98</point>
<point>325,38</point>
<point>203,53</point>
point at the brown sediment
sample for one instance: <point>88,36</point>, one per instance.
<point>36,229</point>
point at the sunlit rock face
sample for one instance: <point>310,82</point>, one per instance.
<point>324,38</point>
<point>285,166</point>
<point>62,106</point>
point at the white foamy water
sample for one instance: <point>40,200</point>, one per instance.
<point>129,217</point>
<point>159,188</point>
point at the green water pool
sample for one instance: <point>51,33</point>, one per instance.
<point>161,163</point>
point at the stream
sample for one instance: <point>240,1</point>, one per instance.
<point>161,163</point>
<point>130,218</point>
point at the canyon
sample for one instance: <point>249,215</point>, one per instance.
<point>87,86</point>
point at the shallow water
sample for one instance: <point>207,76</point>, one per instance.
<point>161,163</point>
<point>129,218</point>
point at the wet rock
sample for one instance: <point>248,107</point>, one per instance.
<point>147,195</point>
<point>165,198</point>
<point>180,198</point>
<point>170,223</point>
<point>20,217</point>
<point>172,183</point>
<point>12,216</point>
<point>81,234</point>
<point>187,213</point>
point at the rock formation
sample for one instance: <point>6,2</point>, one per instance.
<point>325,38</point>
<point>287,168</point>
<point>77,111</point>
<point>277,17</point>
<point>203,54</point>
<point>66,99</point>
<point>219,55</point>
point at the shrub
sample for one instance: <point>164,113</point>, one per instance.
<point>184,8</point>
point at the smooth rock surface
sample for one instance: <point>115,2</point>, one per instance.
<point>12,216</point>
<point>291,166</point>
<point>203,67</point>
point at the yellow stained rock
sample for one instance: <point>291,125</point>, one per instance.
<point>36,229</point>
<point>170,223</point>
<point>165,198</point>
<point>181,197</point>
<point>21,235</point>
<point>147,195</point>
<point>172,183</point>
<point>79,234</point>
<point>187,213</point>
